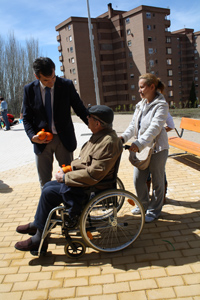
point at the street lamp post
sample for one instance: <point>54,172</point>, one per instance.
<point>93,57</point>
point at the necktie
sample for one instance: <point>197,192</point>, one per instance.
<point>48,106</point>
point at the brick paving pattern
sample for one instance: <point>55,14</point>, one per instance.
<point>162,264</point>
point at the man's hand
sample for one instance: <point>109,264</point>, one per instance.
<point>35,139</point>
<point>59,175</point>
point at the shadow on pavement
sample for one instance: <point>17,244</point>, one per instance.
<point>170,241</point>
<point>191,161</point>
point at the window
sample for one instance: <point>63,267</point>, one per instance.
<point>128,31</point>
<point>132,75</point>
<point>170,93</point>
<point>151,63</point>
<point>69,27</point>
<point>70,38</point>
<point>169,61</point>
<point>72,60</point>
<point>130,54</point>
<point>131,65</point>
<point>195,51</point>
<point>148,15</point>
<point>133,97</point>
<point>196,78</point>
<point>170,73</point>
<point>170,83</point>
<point>132,86</point>
<point>149,39</point>
<point>75,81</point>
<point>168,39</point>
<point>149,27</point>
<point>129,43</point>
<point>74,71</point>
<point>71,49</point>
<point>127,21</point>
<point>150,50</point>
<point>169,50</point>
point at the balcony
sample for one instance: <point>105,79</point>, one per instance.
<point>58,38</point>
<point>62,68</point>
<point>60,48</point>
<point>167,23</point>
<point>61,58</point>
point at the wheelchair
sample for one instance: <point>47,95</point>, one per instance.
<point>106,223</point>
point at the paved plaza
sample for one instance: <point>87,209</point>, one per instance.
<point>164,262</point>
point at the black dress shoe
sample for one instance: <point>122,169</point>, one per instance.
<point>71,222</point>
<point>23,229</point>
<point>28,245</point>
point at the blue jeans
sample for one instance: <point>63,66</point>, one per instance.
<point>157,170</point>
<point>5,118</point>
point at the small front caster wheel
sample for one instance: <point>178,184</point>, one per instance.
<point>75,250</point>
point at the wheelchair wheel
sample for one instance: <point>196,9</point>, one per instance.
<point>120,185</point>
<point>75,250</point>
<point>105,207</point>
<point>118,228</point>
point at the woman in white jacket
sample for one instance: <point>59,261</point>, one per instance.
<point>147,127</point>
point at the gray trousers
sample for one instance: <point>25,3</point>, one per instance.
<point>44,161</point>
<point>157,170</point>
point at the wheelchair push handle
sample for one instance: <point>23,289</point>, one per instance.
<point>126,147</point>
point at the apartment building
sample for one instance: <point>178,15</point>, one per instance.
<point>128,44</point>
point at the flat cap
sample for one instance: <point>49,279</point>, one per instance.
<point>102,112</point>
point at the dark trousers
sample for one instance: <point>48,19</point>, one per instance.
<point>55,193</point>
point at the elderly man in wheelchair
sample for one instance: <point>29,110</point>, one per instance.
<point>96,162</point>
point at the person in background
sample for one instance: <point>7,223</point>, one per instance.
<point>47,104</point>
<point>169,126</point>
<point>96,162</point>
<point>4,112</point>
<point>147,126</point>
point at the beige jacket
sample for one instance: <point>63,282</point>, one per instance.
<point>96,161</point>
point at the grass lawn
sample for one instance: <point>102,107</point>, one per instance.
<point>186,112</point>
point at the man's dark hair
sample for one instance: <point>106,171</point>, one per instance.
<point>44,66</point>
<point>1,98</point>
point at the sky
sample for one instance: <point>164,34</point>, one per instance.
<point>38,19</point>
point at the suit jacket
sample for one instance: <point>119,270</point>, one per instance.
<point>65,98</point>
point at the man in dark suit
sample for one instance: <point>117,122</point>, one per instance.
<point>56,118</point>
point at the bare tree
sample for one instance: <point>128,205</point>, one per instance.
<point>16,70</point>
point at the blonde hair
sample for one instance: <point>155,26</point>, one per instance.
<point>152,79</point>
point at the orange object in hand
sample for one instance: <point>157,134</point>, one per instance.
<point>49,136</point>
<point>41,134</point>
<point>67,168</point>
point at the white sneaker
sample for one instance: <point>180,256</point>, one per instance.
<point>136,211</point>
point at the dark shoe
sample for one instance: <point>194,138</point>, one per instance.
<point>28,245</point>
<point>71,222</point>
<point>23,229</point>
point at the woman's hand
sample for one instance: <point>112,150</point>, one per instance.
<point>134,148</point>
